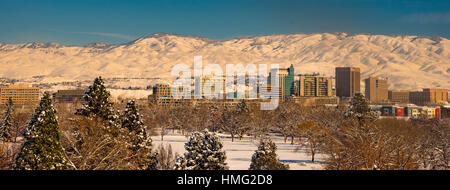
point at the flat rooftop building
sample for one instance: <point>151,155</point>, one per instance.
<point>348,81</point>
<point>21,94</point>
<point>429,96</point>
<point>313,86</point>
<point>68,96</point>
<point>398,96</point>
<point>376,90</point>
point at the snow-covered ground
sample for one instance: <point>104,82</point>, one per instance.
<point>239,152</point>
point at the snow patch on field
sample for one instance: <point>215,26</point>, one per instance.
<point>239,152</point>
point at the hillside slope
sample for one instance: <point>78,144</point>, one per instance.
<point>410,62</point>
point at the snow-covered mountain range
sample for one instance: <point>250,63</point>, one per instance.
<point>410,62</point>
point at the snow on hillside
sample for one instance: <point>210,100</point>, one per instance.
<point>239,152</point>
<point>410,62</point>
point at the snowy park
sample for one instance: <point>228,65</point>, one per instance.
<point>239,152</point>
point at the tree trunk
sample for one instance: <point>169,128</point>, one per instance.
<point>17,133</point>
<point>232,137</point>
<point>292,139</point>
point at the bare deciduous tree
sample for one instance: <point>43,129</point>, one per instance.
<point>166,157</point>
<point>90,146</point>
<point>311,135</point>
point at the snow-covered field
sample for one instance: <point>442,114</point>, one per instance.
<point>239,152</point>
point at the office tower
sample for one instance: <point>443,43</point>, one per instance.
<point>312,86</point>
<point>429,96</point>
<point>286,81</point>
<point>211,82</point>
<point>398,96</point>
<point>376,90</point>
<point>23,94</point>
<point>347,81</point>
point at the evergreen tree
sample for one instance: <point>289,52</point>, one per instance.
<point>42,149</point>
<point>98,104</point>
<point>265,158</point>
<point>204,152</point>
<point>360,109</point>
<point>153,162</point>
<point>241,107</point>
<point>5,127</point>
<point>140,141</point>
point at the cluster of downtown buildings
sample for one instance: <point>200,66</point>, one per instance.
<point>307,89</point>
<point>310,89</point>
<point>313,89</point>
<point>430,102</point>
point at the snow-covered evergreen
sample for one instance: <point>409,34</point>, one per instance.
<point>139,141</point>
<point>98,104</point>
<point>204,152</point>
<point>153,162</point>
<point>265,158</point>
<point>42,149</point>
<point>241,107</point>
<point>360,109</point>
<point>5,126</point>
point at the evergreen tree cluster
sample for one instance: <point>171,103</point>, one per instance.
<point>204,152</point>
<point>360,109</point>
<point>265,158</point>
<point>42,149</point>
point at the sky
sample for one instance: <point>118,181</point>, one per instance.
<point>80,22</point>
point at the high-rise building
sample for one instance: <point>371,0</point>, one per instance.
<point>313,86</point>
<point>162,96</point>
<point>429,96</point>
<point>348,81</point>
<point>68,96</point>
<point>211,82</point>
<point>286,81</point>
<point>376,89</point>
<point>398,96</point>
<point>267,92</point>
<point>22,94</point>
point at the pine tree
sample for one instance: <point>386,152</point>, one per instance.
<point>5,127</point>
<point>153,162</point>
<point>242,118</point>
<point>241,107</point>
<point>42,149</point>
<point>204,152</point>
<point>140,141</point>
<point>265,158</point>
<point>360,109</point>
<point>98,104</point>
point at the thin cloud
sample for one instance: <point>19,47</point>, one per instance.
<point>114,35</point>
<point>428,18</point>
